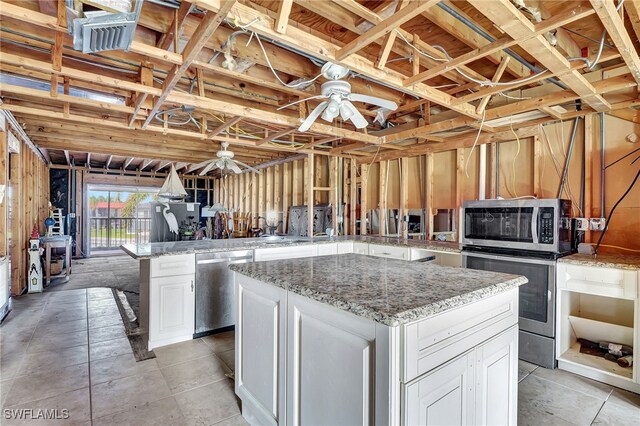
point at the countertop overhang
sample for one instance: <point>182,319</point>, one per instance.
<point>388,291</point>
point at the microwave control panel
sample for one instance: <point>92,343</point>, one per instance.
<point>546,225</point>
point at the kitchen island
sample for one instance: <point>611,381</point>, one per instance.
<point>355,339</point>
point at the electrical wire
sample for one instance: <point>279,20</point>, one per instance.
<point>515,98</point>
<point>475,142</point>
<point>606,226</point>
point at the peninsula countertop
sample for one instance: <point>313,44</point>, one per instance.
<point>388,291</point>
<point>151,250</point>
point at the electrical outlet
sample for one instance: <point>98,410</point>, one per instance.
<point>597,224</point>
<point>581,224</point>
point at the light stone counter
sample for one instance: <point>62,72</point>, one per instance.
<point>604,260</point>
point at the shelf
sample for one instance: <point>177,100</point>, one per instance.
<point>598,331</point>
<point>573,355</point>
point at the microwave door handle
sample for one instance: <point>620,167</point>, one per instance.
<point>534,225</point>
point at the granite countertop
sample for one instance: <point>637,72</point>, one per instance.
<point>149,250</point>
<point>605,260</point>
<point>388,291</point>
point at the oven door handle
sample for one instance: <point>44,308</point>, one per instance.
<point>510,258</point>
<point>534,225</point>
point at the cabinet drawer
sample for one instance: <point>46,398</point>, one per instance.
<point>417,254</point>
<point>433,341</point>
<point>361,248</point>
<point>327,249</point>
<point>285,253</point>
<point>345,247</point>
<point>166,266</point>
<point>609,282</point>
<point>390,252</point>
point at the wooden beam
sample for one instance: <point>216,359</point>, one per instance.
<point>224,126</point>
<point>283,16</point>
<point>508,18</point>
<point>385,27</point>
<point>174,32</point>
<point>66,156</point>
<point>275,135</point>
<point>387,45</point>
<point>633,12</point>
<point>496,78</point>
<point>108,163</point>
<point>364,197</point>
<point>209,24</point>
<point>127,163</point>
<point>309,181</point>
<point>616,30</point>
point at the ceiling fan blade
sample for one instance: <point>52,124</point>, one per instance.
<point>357,97</point>
<point>301,100</point>
<point>233,167</point>
<point>357,119</point>
<point>197,166</point>
<point>248,166</point>
<point>206,169</point>
<point>312,117</point>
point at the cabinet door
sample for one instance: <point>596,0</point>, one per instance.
<point>292,252</point>
<point>361,248</point>
<point>327,249</point>
<point>171,310</point>
<point>260,349</point>
<point>443,396</point>
<point>331,366</point>
<point>497,380</point>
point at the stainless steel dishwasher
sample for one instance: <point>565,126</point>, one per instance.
<point>215,295</point>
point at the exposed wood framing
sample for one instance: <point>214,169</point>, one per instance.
<point>283,16</point>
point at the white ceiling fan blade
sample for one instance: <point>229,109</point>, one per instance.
<point>312,117</point>
<point>248,166</point>
<point>197,166</point>
<point>301,100</point>
<point>233,167</point>
<point>206,169</point>
<point>357,97</point>
<point>357,119</point>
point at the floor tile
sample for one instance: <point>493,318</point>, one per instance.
<point>194,373</point>
<point>538,394</point>
<point>5,385</point>
<point>109,348</point>
<point>129,392</point>
<point>100,293</point>
<point>229,358</point>
<point>524,369</point>
<point>101,311</point>
<point>621,408</point>
<point>54,358</point>
<point>101,303</point>
<point>57,341</point>
<point>117,367</point>
<point>530,416</point>
<point>48,383</point>
<point>12,348</point>
<point>179,352</point>
<point>220,342</point>
<point>106,333</point>
<point>71,408</point>
<point>10,365</point>
<point>209,404</point>
<point>162,412</point>
<point>105,321</point>
<point>590,387</point>
<point>46,329</point>
<point>233,421</point>
<point>64,316</point>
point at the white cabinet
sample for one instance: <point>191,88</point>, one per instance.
<point>171,300</point>
<point>292,252</point>
<point>443,396</point>
<point>360,248</point>
<point>442,258</point>
<point>345,247</point>
<point>390,252</point>
<point>478,387</point>
<point>327,249</point>
<point>330,365</point>
<point>598,304</point>
<point>260,349</point>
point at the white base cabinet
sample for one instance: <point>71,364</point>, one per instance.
<point>169,285</point>
<point>299,362</point>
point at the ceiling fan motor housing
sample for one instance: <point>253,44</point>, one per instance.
<point>335,87</point>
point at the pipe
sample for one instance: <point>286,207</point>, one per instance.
<point>565,171</point>
<point>497,170</point>
<point>602,165</point>
<point>582,168</point>
<point>489,37</point>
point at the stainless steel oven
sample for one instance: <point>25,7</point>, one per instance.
<point>528,224</point>
<point>537,300</point>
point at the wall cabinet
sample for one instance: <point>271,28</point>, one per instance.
<point>598,304</point>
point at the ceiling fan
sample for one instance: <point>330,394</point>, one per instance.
<point>338,100</point>
<point>224,162</point>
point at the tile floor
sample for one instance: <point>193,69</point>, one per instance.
<point>68,349</point>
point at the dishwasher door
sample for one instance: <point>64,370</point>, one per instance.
<point>215,295</point>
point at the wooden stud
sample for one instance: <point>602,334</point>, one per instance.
<point>283,16</point>
<point>382,197</point>
<point>404,196</point>
<point>364,198</point>
<point>496,78</point>
<point>286,194</point>
<point>353,195</point>
<point>310,199</point>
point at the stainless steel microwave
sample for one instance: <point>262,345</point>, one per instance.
<point>526,224</point>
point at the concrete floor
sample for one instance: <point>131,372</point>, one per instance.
<point>68,350</point>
